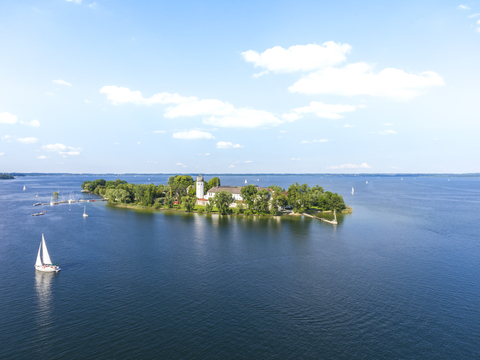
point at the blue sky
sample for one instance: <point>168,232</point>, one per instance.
<point>244,87</point>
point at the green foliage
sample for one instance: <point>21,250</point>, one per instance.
<point>168,202</point>
<point>97,190</point>
<point>212,183</point>
<point>277,189</point>
<point>189,202</point>
<point>209,207</point>
<point>201,210</point>
<point>299,197</point>
<point>6,177</point>
<point>55,193</point>
<point>261,201</point>
<point>157,205</point>
<point>249,193</point>
<point>222,201</point>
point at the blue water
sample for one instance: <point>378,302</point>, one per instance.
<point>397,279</point>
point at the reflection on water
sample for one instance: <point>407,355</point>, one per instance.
<point>43,289</point>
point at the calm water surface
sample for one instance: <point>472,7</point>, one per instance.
<point>397,279</point>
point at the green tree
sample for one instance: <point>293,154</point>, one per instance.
<point>261,201</point>
<point>209,207</point>
<point>168,202</point>
<point>110,195</point>
<point>189,202</point>
<point>249,194</point>
<point>55,193</point>
<point>222,201</point>
<point>212,183</point>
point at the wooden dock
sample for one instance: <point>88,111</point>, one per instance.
<point>333,222</point>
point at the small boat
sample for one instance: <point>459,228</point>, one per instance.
<point>37,203</point>
<point>366,182</point>
<point>353,191</point>
<point>44,263</point>
<point>401,179</point>
<point>24,188</point>
<point>148,178</point>
<point>38,214</point>
<point>245,181</point>
<point>84,213</point>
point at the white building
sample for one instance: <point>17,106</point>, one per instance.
<point>200,187</point>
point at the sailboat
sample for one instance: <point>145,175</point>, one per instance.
<point>38,202</point>
<point>353,191</point>
<point>24,188</point>
<point>44,263</point>
<point>366,182</point>
<point>245,181</point>
<point>84,213</point>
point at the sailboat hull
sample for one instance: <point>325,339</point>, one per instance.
<point>47,268</point>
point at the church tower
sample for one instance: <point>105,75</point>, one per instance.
<point>200,187</point>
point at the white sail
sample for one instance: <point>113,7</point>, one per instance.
<point>39,260</point>
<point>46,257</point>
<point>353,191</point>
<point>24,188</point>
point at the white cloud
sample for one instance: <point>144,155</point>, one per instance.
<point>464,7</point>
<point>159,132</point>
<point>474,15</point>
<point>139,143</point>
<point>351,166</point>
<point>62,149</point>
<point>314,141</point>
<point>295,159</point>
<point>231,166</point>
<point>214,112</point>
<point>248,161</point>
<point>1,154</point>
<point>27,140</point>
<point>42,157</point>
<point>86,101</point>
<point>387,132</point>
<point>359,79</point>
<point>121,95</point>
<point>327,111</point>
<point>180,164</point>
<point>283,131</point>
<point>7,138</point>
<point>299,57</point>
<point>193,135</point>
<point>75,1</point>
<point>7,118</point>
<point>207,154</point>
<point>61,82</point>
<point>291,117</point>
<point>387,124</point>
<point>348,126</point>
<point>92,5</point>
<point>34,123</point>
<point>228,145</point>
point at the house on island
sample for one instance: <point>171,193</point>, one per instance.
<point>204,198</point>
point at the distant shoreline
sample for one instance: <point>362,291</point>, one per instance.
<point>385,175</point>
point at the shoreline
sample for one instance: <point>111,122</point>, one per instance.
<point>349,210</point>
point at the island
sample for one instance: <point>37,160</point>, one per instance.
<point>6,177</point>
<point>183,193</point>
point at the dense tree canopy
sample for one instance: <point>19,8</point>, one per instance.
<point>260,201</point>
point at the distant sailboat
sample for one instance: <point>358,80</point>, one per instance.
<point>84,213</point>
<point>44,263</point>
<point>245,181</point>
<point>401,179</point>
<point>24,188</point>
<point>353,191</point>
<point>366,182</point>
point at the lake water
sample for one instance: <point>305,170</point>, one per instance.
<point>397,279</point>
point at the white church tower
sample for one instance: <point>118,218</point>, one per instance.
<point>200,187</point>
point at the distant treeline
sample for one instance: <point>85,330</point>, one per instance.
<point>180,192</point>
<point>6,176</point>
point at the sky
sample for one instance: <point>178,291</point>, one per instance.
<point>239,87</point>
